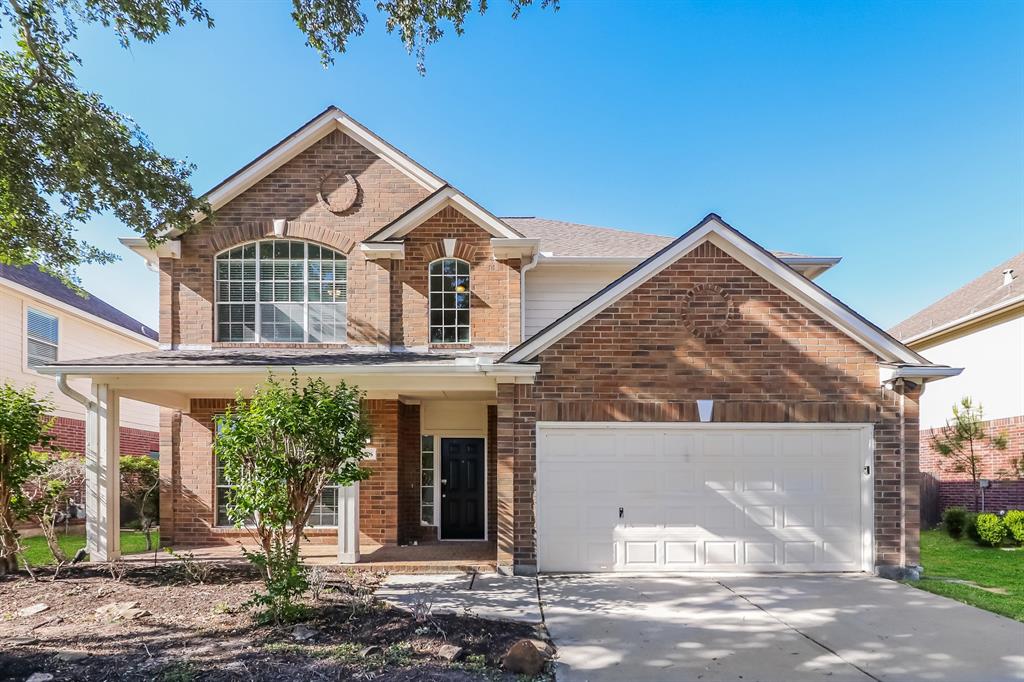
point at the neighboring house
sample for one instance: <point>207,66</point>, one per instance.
<point>568,398</point>
<point>979,327</point>
<point>43,321</point>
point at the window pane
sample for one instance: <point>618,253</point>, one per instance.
<point>428,515</point>
<point>428,495</point>
<point>42,326</point>
<point>427,478</point>
<point>436,334</point>
<point>281,322</point>
<point>463,334</point>
<point>449,335</point>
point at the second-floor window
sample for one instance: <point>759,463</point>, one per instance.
<point>41,336</point>
<point>281,290</point>
<point>449,301</point>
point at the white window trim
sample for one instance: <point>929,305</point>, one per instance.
<point>469,305</point>
<point>257,323</point>
<point>25,336</point>
<point>433,467</point>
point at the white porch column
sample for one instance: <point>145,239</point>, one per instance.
<point>103,475</point>
<point>348,524</point>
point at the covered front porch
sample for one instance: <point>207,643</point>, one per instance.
<point>431,504</point>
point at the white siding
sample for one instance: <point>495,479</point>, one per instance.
<point>77,338</point>
<point>553,290</point>
<point>993,362</point>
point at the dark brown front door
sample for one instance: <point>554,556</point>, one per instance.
<point>462,488</point>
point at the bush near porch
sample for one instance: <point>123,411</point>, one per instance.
<point>989,578</point>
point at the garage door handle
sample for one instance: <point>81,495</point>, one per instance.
<point>867,470</point>
<point>620,512</point>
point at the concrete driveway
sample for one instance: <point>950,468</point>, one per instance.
<point>783,629</point>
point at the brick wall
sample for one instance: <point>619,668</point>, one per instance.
<point>409,527</point>
<point>187,496</point>
<point>69,434</point>
<point>494,285</point>
<point>957,488</point>
<point>774,361</point>
<point>186,285</point>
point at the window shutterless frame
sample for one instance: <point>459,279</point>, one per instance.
<point>258,288</point>
<point>42,337</point>
<point>449,312</point>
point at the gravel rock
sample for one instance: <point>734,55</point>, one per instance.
<point>450,652</point>
<point>32,610</point>
<point>304,633</point>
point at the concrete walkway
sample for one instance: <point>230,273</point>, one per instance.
<point>488,596</point>
<point>782,629</point>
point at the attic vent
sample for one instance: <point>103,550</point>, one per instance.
<point>1008,276</point>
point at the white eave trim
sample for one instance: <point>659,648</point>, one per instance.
<point>449,196</point>
<point>383,250</point>
<point>920,373</point>
<point>504,248</point>
<point>152,256</point>
<point>966,319</point>
<point>79,313</point>
<point>744,251</point>
<point>326,123</point>
<point>809,267</point>
<point>470,366</point>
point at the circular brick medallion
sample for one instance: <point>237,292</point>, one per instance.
<point>708,310</point>
<point>338,191</point>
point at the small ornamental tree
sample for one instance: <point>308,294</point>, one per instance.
<point>47,496</point>
<point>24,427</point>
<point>279,449</point>
<point>962,442</point>
<point>140,478</point>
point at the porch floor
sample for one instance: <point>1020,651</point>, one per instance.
<point>433,557</point>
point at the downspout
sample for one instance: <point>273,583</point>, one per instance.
<point>63,387</point>
<point>903,475</point>
<point>522,294</point>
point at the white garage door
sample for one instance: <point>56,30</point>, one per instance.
<point>704,497</point>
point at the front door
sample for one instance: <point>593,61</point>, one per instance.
<point>462,488</point>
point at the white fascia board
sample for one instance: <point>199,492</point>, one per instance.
<point>514,248</point>
<point>449,196</point>
<point>966,319</point>
<point>457,367</point>
<point>152,256</point>
<point>921,373</point>
<point>763,264</point>
<point>313,132</point>
<point>78,312</point>
<point>808,267</point>
<point>383,250</point>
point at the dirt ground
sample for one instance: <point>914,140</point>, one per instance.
<point>202,631</point>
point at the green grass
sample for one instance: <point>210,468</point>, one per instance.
<point>944,557</point>
<point>38,553</point>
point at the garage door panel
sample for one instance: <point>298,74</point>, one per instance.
<point>752,499</point>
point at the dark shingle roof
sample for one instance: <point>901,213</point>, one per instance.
<point>264,357</point>
<point>573,239</point>
<point>32,277</point>
<point>979,294</point>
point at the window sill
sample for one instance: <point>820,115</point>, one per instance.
<point>266,344</point>
<point>451,346</point>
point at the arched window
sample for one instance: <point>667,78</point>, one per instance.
<point>280,290</point>
<point>449,301</point>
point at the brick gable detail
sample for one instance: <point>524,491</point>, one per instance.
<point>773,360</point>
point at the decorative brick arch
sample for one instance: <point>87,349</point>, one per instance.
<point>463,251</point>
<point>261,229</point>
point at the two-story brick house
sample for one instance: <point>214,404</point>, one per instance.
<point>570,397</point>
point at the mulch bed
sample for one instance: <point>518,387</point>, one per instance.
<point>203,631</point>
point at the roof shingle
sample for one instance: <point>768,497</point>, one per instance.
<point>31,277</point>
<point>979,294</point>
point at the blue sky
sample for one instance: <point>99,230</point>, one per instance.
<point>891,134</point>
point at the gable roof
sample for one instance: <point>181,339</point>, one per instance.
<point>563,239</point>
<point>445,196</point>
<point>749,253</point>
<point>309,133</point>
<point>980,297</point>
<point>32,278</point>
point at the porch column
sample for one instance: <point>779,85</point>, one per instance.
<point>103,475</point>
<point>348,524</point>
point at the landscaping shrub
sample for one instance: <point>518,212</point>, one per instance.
<point>971,527</point>
<point>954,520</point>
<point>1014,522</point>
<point>991,530</point>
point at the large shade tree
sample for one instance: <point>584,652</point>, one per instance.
<point>66,156</point>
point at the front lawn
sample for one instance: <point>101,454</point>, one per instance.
<point>944,557</point>
<point>38,553</point>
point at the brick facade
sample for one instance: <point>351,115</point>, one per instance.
<point>957,489</point>
<point>774,361</point>
<point>188,493</point>
<point>69,434</point>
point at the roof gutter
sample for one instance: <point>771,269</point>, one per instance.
<point>63,387</point>
<point>966,319</point>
